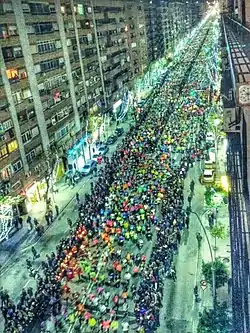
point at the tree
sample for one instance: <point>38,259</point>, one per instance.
<point>221,272</point>
<point>218,231</point>
<point>217,320</point>
<point>51,162</point>
<point>208,195</point>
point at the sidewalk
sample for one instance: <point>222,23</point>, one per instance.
<point>221,251</point>
<point>180,312</point>
<point>25,237</point>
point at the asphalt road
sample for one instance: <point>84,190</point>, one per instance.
<point>178,300</point>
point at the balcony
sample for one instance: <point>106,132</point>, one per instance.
<point>47,56</point>
<point>33,143</point>
<point>16,63</point>
<point>33,38</point>
<point>3,107</point>
<point>15,155</point>
<point>60,124</point>
<point>29,18</point>
<point>9,40</point>
<point>19,84</point>
<point>51,110</point>
<point>46,75</point>
<point>24,104</point>
<point>8,18</point>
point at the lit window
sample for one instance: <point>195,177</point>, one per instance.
<point>12,73</point>
<point>80,9</point>
<point>3,151</point>
<point>12,146</point>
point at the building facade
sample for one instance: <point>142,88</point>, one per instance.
<point>65,60</point>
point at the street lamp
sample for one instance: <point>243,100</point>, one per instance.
<point>212,257</point>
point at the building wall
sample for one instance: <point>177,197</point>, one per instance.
<point>61,61</point>
<point>65,60</point>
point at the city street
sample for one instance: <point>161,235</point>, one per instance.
<point>131,239</point>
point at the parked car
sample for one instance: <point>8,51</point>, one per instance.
<point>88,167</point>
<point>208,176</point>
<point>112,139</point>
<point>119,131</point>
<point>103,150</point>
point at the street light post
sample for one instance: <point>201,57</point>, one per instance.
<point>212,258</point>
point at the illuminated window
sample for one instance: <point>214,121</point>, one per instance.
<point>12,146</point>
<point>3,151</point>
<point>80,9</point>
<point>12,73</point>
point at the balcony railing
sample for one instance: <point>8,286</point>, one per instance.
<point>241,32</point>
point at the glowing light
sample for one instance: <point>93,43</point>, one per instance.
<point>225,183</point>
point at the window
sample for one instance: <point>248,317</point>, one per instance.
<point>12,146</point>
<point>80,9</point>
<point>39,8</point>
<point>17,52</point>
<point>3,152</point>
<point>7,125</point>
<point>17,97</point>
<point>31,155</point>
<point>52,8</point>
<point>46,46</point>
<point>17,166</point>
<point>43,28</point>
<point>62,132</point>
<point>8,53</point>
<point>7,172</point>
<point>26,93</point>
<point>35,131</point>
<point>27,136</point>
<point>49,65</point>
<point>12,74</point>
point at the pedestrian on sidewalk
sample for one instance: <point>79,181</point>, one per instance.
<point>173,273</point>
<point>189,200</point>
<point>35,222</point>
<point>34,252</point>
<point>77,198</point>
<point>29,222</point>
<point>178,236</point>
<point>47,218</point>
<point>70,223</point>
<point>192,186</point>
<point>199,239</point>
<point>20,221</point>
<point>57,210</point>
<point>51,216</point>
<point>29,264</point>
<point>196,294</point>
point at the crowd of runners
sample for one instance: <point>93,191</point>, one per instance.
<point>108,274</point>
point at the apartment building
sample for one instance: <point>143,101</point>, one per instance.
<point>61,61</point>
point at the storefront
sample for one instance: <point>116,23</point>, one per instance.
<point>59,170</point>
<point>77,155</point>
<point>35,193</point>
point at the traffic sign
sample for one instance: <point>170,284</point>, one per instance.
<point>203,284</point>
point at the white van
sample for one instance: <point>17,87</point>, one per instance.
<point>208,176</point>
<point>211,162</point>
